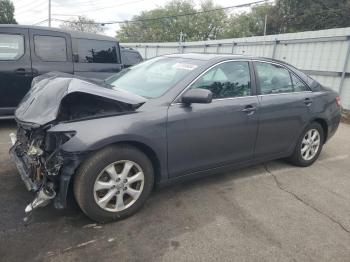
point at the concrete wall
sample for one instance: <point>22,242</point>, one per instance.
<point>322,54</point>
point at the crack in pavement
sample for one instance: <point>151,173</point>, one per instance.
<point>279,185</point>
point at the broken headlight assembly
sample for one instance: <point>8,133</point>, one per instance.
<point>48,157</point>
<point>53,142</point>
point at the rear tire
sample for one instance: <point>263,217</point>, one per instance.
<point>113,183</point>
<point>309,146</point>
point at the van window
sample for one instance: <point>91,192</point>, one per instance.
<point>130,58</point>
<point>11,46</point>
<point>96,51</point>
<point>50,48</point>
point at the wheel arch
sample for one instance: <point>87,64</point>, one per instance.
<point>324,126</point>
<point>149,152</point>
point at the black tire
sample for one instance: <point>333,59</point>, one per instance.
<point>91,168</point>
<point>296,158</point>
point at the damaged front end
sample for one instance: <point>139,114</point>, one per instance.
<point>43,166</point>
<point>37,150</point>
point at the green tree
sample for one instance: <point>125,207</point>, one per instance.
<point>250,23</point>
<point>83,24</point>
<point>303,15</point>
<point>7,11</point>
<point>283,16</point>
<point>209,25</point>
<point>148,28</point>
<point>288,16</point>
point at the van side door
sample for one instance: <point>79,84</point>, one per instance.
<point>51,51</point>
<point>15,68</point>
<point>96,58</point>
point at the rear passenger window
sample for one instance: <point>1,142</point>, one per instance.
<point>274,79</point>
<point>50,48</point>
<point>298,85</point>
<point>96,51</point>
<point>11,46</point>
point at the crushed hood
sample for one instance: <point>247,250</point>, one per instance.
<point>41,104</point>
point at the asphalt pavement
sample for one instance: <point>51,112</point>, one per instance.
<point>271,212</point>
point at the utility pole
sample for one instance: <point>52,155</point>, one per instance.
<point>181,40</point>
<point>49,13</point>
<point>265,23</point>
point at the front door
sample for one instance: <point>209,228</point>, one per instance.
<point>204,136</point>
<point>15,68</point>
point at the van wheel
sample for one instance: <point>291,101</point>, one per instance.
<point>309,146</point>
<point>113,183</point>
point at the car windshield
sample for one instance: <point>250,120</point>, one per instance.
<point>154,77</point>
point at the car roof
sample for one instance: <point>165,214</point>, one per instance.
<point>72,33</point>
<point>208,56</point>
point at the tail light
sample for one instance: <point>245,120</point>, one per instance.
<point>337,100</point>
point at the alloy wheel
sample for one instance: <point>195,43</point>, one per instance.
<point>310,144</point>
<point>119,185</point>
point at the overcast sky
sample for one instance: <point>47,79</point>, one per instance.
<point>33,12</point>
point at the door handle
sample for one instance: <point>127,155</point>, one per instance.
<point>20,71</point>
<point>307,101</point>
<point>23,71</point>
<point>249,109</point>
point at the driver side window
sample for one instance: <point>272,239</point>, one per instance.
<point>229,79</point>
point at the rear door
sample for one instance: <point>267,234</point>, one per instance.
<point>96,58</point>
<point>51,51</point>
<point>285,106</point>
<point>15,68</point>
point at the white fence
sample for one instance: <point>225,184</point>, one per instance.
<point>322,54</point>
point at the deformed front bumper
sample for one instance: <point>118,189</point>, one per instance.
<point>61,180</point>
<point>24,167</point>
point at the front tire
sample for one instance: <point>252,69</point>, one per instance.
<point>113,183</point>
<point>309,146</point>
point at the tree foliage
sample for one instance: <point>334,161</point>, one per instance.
<point>83,24</point>
<point>247,24</point>
<point>195,27</point>
<point>7,11</point>
<point>284,16</point>
<point>288,16</point>
<point>303,15</point>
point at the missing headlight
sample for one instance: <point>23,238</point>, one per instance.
<point>54,140</point>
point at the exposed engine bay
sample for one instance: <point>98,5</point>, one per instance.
<point>78,106</point>
<point>44,167</point>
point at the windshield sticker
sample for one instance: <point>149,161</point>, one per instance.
<point>184,66</point>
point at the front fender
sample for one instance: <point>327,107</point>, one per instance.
<point>94,134</point>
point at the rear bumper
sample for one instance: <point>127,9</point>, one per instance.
<point>333,126</point>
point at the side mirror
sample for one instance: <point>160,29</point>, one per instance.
<point>197,95</point>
